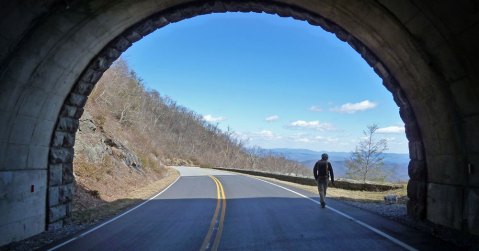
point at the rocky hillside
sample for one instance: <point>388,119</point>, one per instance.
<point>105,167</point>
<point>128,134</point>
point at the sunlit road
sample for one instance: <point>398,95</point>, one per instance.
<point>209,209</point>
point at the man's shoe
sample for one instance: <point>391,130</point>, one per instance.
<point>323,204</point>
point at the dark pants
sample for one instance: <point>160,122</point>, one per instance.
<point>322,187</point>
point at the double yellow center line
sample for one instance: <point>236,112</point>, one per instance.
<point>216,225</point>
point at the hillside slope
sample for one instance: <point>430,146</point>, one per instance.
<point>128,135</point>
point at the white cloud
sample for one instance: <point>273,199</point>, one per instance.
<point>305,124</point>
<point>312,125</point>
<point>272,118</point>
<point>304,140</point>
<point>315,109</point>
<point>355,107</point>
<point>267,135</point>
<point>211,119</point>
<point>391,129</point>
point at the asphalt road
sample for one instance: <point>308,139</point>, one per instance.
<point>208,209</point>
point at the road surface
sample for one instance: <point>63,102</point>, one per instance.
<point>210,209</point>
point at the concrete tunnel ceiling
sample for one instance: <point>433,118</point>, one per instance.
<point>52,59</point>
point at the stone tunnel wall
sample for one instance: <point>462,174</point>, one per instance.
<point>52,52</point>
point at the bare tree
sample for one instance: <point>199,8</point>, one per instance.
<point>156,124</point>
<point>367,161</point>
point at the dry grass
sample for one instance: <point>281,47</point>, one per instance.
<point>360,196</point>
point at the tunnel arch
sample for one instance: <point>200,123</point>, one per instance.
<point>55,66</point>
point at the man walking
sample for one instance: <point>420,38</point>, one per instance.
<point>322,170</point>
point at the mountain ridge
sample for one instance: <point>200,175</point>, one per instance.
<point>394,161</point>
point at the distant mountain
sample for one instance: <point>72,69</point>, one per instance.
<point>307,157</point>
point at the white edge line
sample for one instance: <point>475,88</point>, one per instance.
<point>111,220</point>
<point>377,231</point>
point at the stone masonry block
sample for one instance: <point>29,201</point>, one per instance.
<point>381,70</point>
<point>412,131</point>
<point>416,191</point>
<point>111,53</point>
<point>57,213</point>
<point>216,7</point>
<point>65,193</point>
<point>160,21</point>
<point>416,150</point>
<point>133,36</point>
<point>121,44</point>
<point>55,174</point>
<point>407,115</point>
<point>400,98</point>
<point>53,196</point>
<point>256,7</point>
<point>444,205</point>
<point>369,56</point>
<point>71,111</point>
<point>76,100</point>
<point>417,170</point>
<point>301,15</point>
<point>102,63</point>
<point>67,173</point>
<point>91,75</point>
<point>340,33</point>
<point>145,28</point>
<point>63,139</point>
<point>83,88</point>
<point>61,155</point>
<point>66,124</point>
<point>416,210</point>
<point>390,83</point>
<point>176,16</point>
<point>357,46</point>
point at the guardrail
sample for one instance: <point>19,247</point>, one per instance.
<point>339,183</point>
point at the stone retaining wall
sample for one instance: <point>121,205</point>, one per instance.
<point>340,183</point>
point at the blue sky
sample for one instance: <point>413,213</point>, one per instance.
<point>276,82</point>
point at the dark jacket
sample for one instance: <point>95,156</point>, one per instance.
<point>323,168</point>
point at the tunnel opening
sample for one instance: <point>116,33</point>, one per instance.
<point>63,137</point>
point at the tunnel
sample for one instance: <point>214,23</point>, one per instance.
<point>53,52</point>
